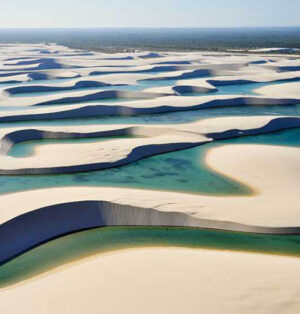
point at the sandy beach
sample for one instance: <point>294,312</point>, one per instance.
<point>163,280</point>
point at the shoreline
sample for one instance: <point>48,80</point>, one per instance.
<point>190,278</point>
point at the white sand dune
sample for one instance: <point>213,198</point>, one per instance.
<point>163,281</point>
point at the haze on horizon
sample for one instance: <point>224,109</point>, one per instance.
<point>145,13</point>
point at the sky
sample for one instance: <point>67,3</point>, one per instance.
<point>148,13</point>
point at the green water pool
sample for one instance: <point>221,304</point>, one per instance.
<point>86,243</point>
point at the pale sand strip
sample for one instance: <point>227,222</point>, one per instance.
<point>163,281</point>
<point>291,89</point>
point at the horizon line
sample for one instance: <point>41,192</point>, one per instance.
<point>164,27</point>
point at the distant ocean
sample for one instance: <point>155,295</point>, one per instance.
<point>159,39</point>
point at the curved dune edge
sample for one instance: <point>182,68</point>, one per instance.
<point>54,88</point>
<point>148,106</point>
<point>111,94</point>
<point>62,252</point>
<point>53,68</point>
<point>183,84</point>
<point>128,151</point>
<point>126,73</point>
<point>49,63</point>
<point>87,157</point>
<point>222,278</point>
<point>54,221</point>
<point>209,85</point>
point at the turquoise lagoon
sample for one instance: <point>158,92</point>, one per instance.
<point>181,171</point>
